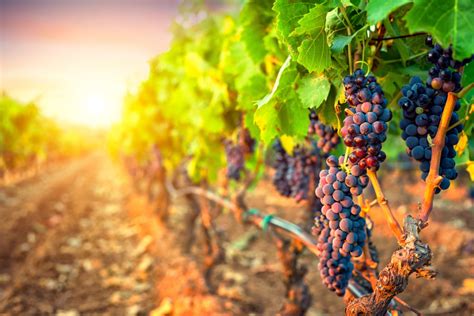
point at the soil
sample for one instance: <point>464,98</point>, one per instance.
<point>78,240</point>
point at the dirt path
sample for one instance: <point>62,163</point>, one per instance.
<point>68,245</point>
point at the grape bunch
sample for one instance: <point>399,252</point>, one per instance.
<point>328,137</point>
<point>335,269</point>
<point>301,164</point>
<point>235,160</point>
<point>443,58</point>
<point>365,126</point>
<point>423,105</point>
<point>343,233</point>
<point>293,172</point>
<point>280,165</point>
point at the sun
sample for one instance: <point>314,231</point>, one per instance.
<point>95,109</point>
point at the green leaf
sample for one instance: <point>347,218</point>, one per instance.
<point>377,10</point>
<point>467,78</point>
<point>266,118</point>
<point>326,112</point>
<point>250,92</point>
<point>269,96</point>
<point>313,91</point>
<point>449,21</point>
<point>294,118</point>
<point>402,48</point>
<point>339,42</point>
<point>314,53</point>
<point>289,12</point>
<point>255,17</point>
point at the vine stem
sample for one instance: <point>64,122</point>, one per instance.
<point>433,180</point>
<point>383,202</point>
<point>349,30</point>
<point>457,124</point>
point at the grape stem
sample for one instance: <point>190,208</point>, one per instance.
<point>383,203</point>
<point>373,202</point>
<point>349,30</point>
<point>461,94</point>
<point>434,179</point>
<point>457,124</point>
<point>348,112</point>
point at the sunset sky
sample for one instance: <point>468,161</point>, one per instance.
<point>78,58</point>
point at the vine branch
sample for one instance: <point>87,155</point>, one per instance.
<point>383,203</point>
<point>413,257</point>
<point>433,180</point>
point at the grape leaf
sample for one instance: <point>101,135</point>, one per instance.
<point>462,144</point>
<point>266,118</point>
<point>289,12</point>
<point>314,53</point>
<point>294,118</point>
<point>449,21</point>
<point>269,96</point>
<point>288,143</point>
<point>377,10</point>
<point>326,111</point>
<point>255,17</point>
<point>339,42</point>
<point>467,78</point>
<point>470,170</point>
<point>313,91</point>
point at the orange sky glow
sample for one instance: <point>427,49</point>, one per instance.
<point>77,59</point>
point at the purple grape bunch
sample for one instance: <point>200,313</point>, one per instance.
<point>343,234</point>
<point>423,104</point>
<point>365,126</point>
<point>235,160</point>
<point>281,166</point>
<point>328,137</point>
<point>293,172</point>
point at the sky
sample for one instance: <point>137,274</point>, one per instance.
<point>78,58</point>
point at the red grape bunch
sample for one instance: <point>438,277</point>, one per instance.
<point>365,127</point>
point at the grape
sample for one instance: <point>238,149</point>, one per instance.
<point>418,152</point>
<point>367,125</point>
<point>343,229</point>
<point>328,137</point>
<point>422,121</point>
